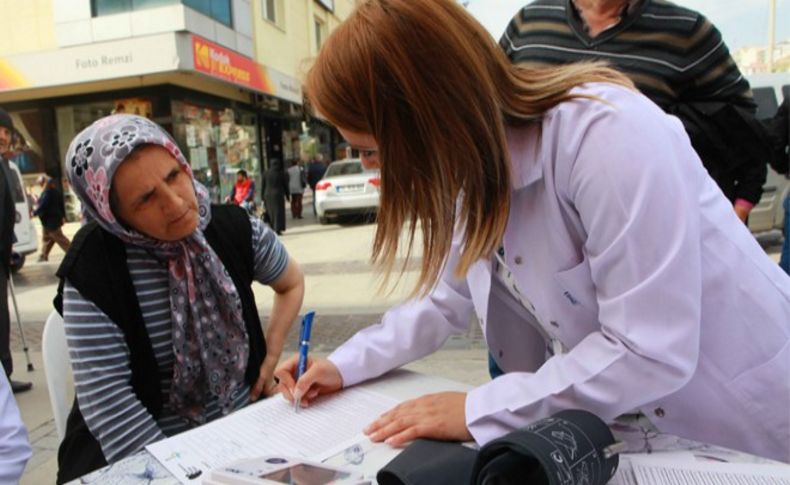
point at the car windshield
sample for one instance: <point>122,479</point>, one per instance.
<point>344,168</point>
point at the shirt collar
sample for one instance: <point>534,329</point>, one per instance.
<point>628,9</point>
<point>523,146</point>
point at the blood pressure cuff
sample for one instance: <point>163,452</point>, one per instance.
<point>429,462</point>
<point>565,448</point>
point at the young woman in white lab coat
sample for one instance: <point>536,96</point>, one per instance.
<point>572,216</point>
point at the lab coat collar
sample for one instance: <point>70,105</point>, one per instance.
<point>523,147</point>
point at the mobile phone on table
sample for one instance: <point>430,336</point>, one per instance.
<point>282,470</point>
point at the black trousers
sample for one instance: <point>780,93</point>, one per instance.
<point>5,323</point>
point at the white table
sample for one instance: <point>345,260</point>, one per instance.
<point>143,468</point>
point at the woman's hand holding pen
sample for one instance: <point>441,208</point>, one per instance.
<point>440,416</point>
<point>321,377</point>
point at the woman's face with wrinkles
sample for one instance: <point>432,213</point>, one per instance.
<point>155,196</point>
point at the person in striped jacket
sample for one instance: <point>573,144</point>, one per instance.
<point>676,57</point>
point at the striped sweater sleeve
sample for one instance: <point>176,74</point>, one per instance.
<point>270,255</point>
<point>712,74</point>
<point>100,361</point>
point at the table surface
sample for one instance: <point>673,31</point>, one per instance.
<point>143,468</point>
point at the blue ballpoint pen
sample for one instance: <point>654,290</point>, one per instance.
<point>304,346</point>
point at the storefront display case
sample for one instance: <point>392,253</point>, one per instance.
<point>218,142</point>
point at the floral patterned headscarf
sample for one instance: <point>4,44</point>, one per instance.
<point>209,336</point>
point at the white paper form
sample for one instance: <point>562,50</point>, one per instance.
<point>271,427</point>
<point>708,473</point>
<point>625,471</point>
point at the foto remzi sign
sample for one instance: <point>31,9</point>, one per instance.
<point>92,62</point>
<point>104,60</point>
<point>140,56</point>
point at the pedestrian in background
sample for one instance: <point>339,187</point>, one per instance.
<point>676,57</point>
<point>625,281</point>
<point>779,129</point>
<point>51,210</point>
<point>243,192</point>
<point>296,185</point>
<point>7,239</point>
<point>274,191</point>
<point>315,172</point>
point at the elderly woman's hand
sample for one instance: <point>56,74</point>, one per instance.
<point>265,385</point>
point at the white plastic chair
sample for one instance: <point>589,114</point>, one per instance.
<point>57,369</point>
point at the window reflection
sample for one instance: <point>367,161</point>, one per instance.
<point>219,10</point>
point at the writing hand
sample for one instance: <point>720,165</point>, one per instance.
<point>321,377</point>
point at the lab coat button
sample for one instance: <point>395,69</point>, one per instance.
<point>659,412</point>
<point>501,354</point>
<point>517,260</point>
<point>555,324</point>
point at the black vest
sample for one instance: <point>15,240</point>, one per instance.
<point>96,266</point>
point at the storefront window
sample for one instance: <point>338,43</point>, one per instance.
<point>219,10</point>
<point>110,7</point>
<point>143,4</point>
<point>218,143</point>
<point>73,119</point>
<point>291,145</point>
<point>27,141</point>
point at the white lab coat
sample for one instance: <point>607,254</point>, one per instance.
<point>635,260</point>
<point>14,447</point>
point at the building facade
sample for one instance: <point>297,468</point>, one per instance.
<point>288,35</point>
<point>223,76</point>
<point>754,59</point>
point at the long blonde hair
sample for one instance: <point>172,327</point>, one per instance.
<point>436,92</point>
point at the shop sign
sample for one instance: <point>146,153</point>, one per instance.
<point>220,62</point>
<point>328,4</point>
<point>92,62</point>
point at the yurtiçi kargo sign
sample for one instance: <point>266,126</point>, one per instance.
<point>222,63</point>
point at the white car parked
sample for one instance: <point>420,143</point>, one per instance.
<point>24,230</point>
<point>347,188</point>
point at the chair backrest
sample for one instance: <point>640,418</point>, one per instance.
<point>57,369</point>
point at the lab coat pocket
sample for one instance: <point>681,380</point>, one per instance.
<point>764,392</point>
<point>576,286</point>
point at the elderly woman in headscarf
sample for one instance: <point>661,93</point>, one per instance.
<point>161,321</point>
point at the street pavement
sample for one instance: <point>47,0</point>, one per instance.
<point>341,287</point>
